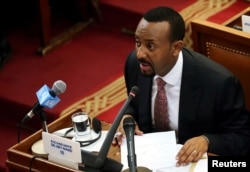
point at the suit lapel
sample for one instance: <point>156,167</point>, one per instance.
<point>190,92</point>
<point>145,84</point>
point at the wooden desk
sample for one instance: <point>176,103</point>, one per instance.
<point>20,155</point>
<point>236,20</point>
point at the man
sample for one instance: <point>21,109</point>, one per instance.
<point>205,101</point>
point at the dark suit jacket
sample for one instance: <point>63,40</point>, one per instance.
<point>211,103</point>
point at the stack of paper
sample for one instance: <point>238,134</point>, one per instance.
<point>157,151</point>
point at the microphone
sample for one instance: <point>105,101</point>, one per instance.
<point>46,98</point>
<point>129,128</point>
<point>99,162</point>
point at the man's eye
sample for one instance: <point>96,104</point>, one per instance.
<point>137,43</point>
<point>151,46</point>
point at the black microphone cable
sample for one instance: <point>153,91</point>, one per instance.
<point>32,160</point>
<point>20,127</point>
<point>19,130</point>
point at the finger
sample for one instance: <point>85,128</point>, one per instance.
<point>183,155</point>
<point>198,157</point>
<point>117,134</point>
<point>138,131</point>
<point>115,140</point>
<point>182,152</point>
<point>192,157</point>
<point>119,140</point>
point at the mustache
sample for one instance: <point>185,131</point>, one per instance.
<point>143,61</point>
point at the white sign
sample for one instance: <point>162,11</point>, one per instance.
<point>245,23</point>
<point>61,148</point>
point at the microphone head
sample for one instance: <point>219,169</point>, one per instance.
<point>134,91</point>
<point>129,121</point>
<point>58,87</point>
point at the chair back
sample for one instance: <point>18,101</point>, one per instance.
<point>227,46</point>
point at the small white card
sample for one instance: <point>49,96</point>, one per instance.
<point>62,148</point>
<point>245,23</point>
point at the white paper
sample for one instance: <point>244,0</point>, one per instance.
<point>157,152</point>
<point>153,150</point>
<point>200,166</point>
<point>175,169</point>
<point>245,23</point>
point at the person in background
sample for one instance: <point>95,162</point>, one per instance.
<point>205,101</point>
<point>5,50</point>
<point>5,47</point>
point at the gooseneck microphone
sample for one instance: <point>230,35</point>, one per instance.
<point>99,162</point>
<point>129,128</point>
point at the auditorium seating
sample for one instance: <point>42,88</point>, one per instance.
<point>227,46</point>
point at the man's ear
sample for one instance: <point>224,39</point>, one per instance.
<point>177,47</point>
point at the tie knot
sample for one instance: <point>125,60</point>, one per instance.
<point>160,82</point>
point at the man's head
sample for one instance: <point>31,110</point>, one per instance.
<point>159,36</point>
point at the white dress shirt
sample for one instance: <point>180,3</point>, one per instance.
<point>172,87</point>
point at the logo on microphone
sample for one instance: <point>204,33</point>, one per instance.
<point>45,98</point>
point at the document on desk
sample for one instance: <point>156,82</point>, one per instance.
<point>157,152</point>
<point>153,150</point>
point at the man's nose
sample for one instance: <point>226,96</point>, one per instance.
<point>141,52</point>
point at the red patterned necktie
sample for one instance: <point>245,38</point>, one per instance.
<point>161,107</point>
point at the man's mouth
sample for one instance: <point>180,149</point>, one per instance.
<point>144,66</point>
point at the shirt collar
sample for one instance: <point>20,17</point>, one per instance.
<point>174,75</point>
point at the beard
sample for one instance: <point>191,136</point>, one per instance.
<point>148,74</point>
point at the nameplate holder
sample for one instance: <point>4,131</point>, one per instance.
<point>64,162</point>
<point>61,150</point>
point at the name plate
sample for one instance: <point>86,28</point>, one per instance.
<point>245,23</point>
<point>60,148</point>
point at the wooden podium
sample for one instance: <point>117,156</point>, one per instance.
<point>21,159</point>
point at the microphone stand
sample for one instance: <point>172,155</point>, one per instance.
<point>43,118</point>
<point>99,162</point>
<point>129,127</point>
<point>44,121</point>
<point>96,163</point>
<point>138,169</point>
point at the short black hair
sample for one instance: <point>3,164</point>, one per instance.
<point>175,20</point>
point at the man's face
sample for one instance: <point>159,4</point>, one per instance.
<point>155,53</point>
